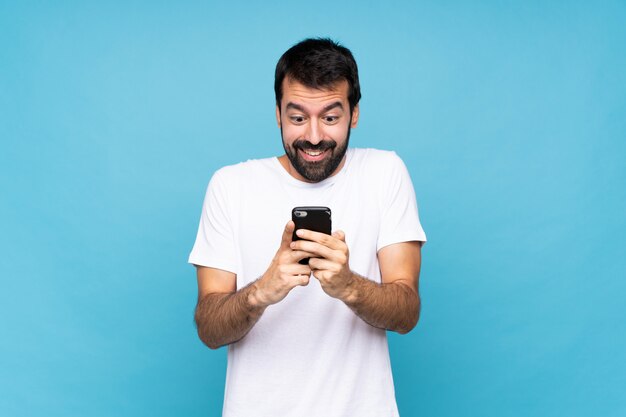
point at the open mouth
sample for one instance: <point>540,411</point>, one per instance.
<point>313,155</point>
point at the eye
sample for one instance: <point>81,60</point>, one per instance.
<point>297,119</point>
<point>330,119</point>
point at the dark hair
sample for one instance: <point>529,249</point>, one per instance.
<point>318,63</point>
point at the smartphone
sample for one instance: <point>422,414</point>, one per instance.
<point>317,219</point>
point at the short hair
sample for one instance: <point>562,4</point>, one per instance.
<point>318,63</point>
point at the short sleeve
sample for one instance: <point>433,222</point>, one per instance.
<point>400,219</point>
<point>215,246</point>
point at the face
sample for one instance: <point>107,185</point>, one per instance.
<point>315,127</point>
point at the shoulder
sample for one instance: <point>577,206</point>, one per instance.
<point>376,160</point>
<point>371,155</point>
<point>383,171</point>
<point>252,168</point>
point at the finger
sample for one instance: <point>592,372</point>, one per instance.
<point>298,275</point>
<point>296,256</point>
<point>329,241</point>
<point>339,234</point>
<point>287,235</point>
<point>297,280</point>
<point>303,279</point>
<point>314,249</point>
<point>297,269</point>
<point>320,275</point>
<point>321,264</point>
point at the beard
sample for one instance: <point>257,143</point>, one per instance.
<point>319,170</point>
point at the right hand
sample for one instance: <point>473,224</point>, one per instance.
<point>284,272</point>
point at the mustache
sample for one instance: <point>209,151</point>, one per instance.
<point>321,146</point>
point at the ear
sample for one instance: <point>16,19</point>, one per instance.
<point>355,116</point>
<point>278,116</point>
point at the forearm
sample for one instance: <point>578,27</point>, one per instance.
<point>392,306</point>
<point>222,318</point>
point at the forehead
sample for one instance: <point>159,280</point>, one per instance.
<point>296,92</point>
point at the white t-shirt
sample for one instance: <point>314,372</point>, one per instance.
<point>309,354</point>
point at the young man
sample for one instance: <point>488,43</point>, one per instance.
<point>310,340</point>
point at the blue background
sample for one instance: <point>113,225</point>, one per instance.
<point>509,115</point>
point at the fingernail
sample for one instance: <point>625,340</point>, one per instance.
<point>299,232</point>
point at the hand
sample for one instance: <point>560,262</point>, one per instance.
<point>283,274</point>
<point>329,261</point>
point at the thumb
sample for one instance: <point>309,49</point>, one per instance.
<point>339,234</point>
<point>287,235</point>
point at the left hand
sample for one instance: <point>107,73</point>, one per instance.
<point>330,266</point>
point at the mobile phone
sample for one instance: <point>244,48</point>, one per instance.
<point>313,218</point>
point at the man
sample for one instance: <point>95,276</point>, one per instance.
<point>310,340</point>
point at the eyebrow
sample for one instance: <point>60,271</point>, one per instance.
<point>298,107</point>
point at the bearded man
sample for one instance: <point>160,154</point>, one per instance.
<point>310,339</point>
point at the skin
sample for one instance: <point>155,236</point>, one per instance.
<point>225,315</point>
<point>314,116</point>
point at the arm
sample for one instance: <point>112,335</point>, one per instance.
<point>393,305</point>
<point>225,315</point>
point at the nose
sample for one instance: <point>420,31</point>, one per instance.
<point>314,132</point>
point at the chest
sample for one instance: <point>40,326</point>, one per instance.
<point>264,210</point>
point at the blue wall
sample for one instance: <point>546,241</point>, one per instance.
<point>509,115</point>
